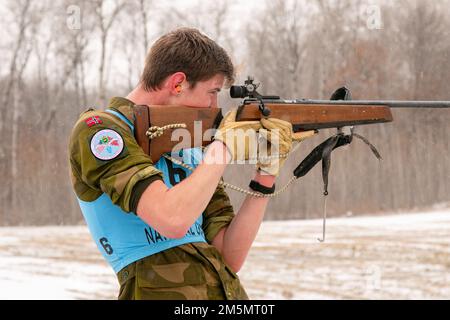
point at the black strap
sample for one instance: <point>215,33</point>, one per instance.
<point>326,161</point>
<point>323,152</point>
<point>256,186</point>
<point>317,153</point>
<point>217,120</point>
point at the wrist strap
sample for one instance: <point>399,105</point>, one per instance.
<point>256,186</point>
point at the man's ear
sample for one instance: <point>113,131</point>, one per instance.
<point>176,82</point>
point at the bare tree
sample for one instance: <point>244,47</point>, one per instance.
<point>143,6</point>
<point>339,49</point>
<point>297,49</point>
<point>212,18</point>
<point>105,22</point>
<point>9,109</point>
<point>135,23</point>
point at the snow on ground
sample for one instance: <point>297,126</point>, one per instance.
<point>53,263</point>
<point>384,257</point>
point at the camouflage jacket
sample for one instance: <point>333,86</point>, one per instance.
<point>189,271</point>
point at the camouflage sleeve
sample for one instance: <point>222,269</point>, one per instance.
<point>105,158</point>
<point>218,214</point>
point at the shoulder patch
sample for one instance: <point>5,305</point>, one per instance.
<point>92,121</point>
<point>106,144</point>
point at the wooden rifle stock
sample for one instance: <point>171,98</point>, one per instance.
<point>199,121</point>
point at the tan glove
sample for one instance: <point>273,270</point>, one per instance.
<point>240,137</point>
<point>275,143</point>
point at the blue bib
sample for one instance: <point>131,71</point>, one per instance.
<point>122,237</point>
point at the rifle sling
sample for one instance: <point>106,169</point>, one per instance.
<point>323,152</point>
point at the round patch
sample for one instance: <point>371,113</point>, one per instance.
<point>106,144</point>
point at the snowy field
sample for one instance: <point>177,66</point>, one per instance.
<point>389,257</point>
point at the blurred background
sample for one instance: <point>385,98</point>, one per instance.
<point>61,57</point>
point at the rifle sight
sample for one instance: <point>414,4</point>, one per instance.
<point>246,90</point>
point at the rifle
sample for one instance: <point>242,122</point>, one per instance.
<point>160,123</point>
<point>304,114</point>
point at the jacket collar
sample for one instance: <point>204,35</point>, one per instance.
<point>124,106</point>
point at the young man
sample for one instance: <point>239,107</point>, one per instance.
<point>167,232</point>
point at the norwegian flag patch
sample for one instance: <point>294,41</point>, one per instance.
<point>92,121</point>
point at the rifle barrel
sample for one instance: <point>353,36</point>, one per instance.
<point>388,103</point>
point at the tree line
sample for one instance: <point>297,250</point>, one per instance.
<point>61,57</point>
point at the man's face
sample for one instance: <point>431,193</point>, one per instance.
<point>203,95</point>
